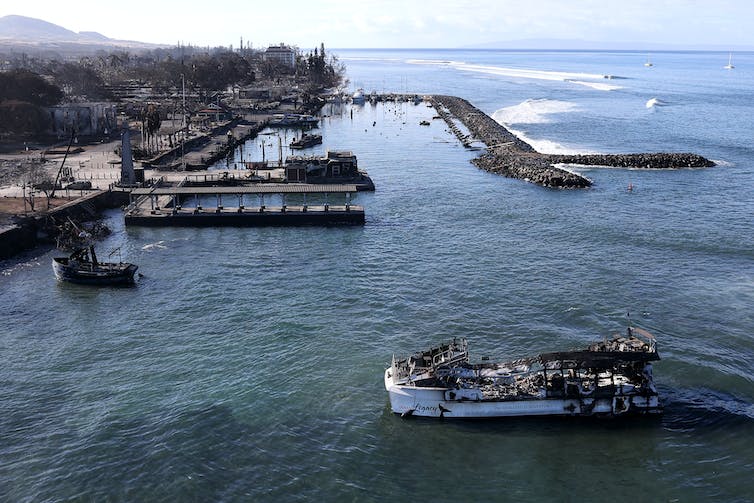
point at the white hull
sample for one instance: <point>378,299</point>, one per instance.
<point>433,402</point>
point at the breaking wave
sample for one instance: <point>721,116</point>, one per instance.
<point>596,85</point>
<point>442,62</point>
<point>549,146</point>
<point>655,102</point>
<point>533,111</point>
<point>592,80</point>
<point>537,111</point>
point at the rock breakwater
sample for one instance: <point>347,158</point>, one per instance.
<point>510,156</point>
<point>506,154</point>
<point>657,160</point>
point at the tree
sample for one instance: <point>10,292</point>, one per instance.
<point>29,87</point>
<point>80,81</point>
<point>38,178</point>
<point>150,122</point>
<point>18,117</point>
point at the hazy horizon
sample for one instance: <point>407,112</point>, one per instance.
<point>391,24</point>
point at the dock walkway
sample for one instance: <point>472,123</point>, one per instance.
<point>145,209</point>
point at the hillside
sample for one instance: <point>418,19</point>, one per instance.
<point>32,35</point>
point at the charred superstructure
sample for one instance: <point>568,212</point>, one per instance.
<point>612,377</point>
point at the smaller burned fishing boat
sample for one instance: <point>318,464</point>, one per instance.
<point>306,141</point>
<point>83,267</point>
<point>293,120</point>
<point>609,378</point>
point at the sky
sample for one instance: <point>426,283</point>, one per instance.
<point>403,23</point>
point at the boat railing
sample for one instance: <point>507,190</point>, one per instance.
<point>651,340</point>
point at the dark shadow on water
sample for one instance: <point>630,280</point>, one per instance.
<point>190,455</point>
<point>705,409</point>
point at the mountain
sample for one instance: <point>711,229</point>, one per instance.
<point>28,28</point>
<point>35,35</point>
<point>92,35</point>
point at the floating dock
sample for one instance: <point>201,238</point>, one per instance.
<point>163,206</point>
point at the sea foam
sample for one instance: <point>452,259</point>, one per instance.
<point>583,79</point>
<point>549,146</point>
<point>537,111</point>
<point>596,85</point>
<point>655,102</point>
<point>533,111</point>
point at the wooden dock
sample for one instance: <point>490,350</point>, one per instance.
<point>145,209</point>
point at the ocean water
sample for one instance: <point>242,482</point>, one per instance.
<point>246,364</point>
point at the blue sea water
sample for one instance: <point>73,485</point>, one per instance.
<point>247,363</point>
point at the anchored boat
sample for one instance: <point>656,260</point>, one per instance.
<point>293,120</point>
<point>609,378</point>
<point>306,141</point>
<point>83,267</point>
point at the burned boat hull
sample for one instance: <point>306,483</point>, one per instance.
<point>306,141</point>
<point>611,378</point>
<point>433,402</point>
<point>102,274</point>
<point>82,267</point>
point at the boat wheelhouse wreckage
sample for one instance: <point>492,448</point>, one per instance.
<point>609,378</point>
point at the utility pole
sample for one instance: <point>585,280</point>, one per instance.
<point>184,124</point>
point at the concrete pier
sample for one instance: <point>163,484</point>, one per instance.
<point>510,156</point>
<point>145,209</point>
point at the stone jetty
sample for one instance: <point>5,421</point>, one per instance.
<point>647,161</point>
<point>508,155</point>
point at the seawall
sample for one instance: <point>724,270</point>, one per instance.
<point>30,231</point>
<point>510,156</point>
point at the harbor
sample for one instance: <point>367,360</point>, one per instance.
<point>247,363</point>
<point>508,155</point>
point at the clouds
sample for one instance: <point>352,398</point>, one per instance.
<point>403,23</point>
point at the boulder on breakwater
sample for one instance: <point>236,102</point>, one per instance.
<point>532,168</point>
<point>506,154</point>
<point>510,156</point>
<point>656,160</point>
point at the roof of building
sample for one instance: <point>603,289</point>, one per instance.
<point>261,188</point>
<point>279,48</point>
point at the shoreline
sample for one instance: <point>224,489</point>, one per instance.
<point>505,154</point>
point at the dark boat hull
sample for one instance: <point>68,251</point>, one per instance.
<point>306,142</point>
<point>86,273</point>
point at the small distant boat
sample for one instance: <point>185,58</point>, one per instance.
<point>612,377</point>
<point>306,141</point>
<point>649,62</point>
<point>83,267</point>
<point>729,66</point>
<point>358,97</point>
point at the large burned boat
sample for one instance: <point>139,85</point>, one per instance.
<point>609,378</point>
